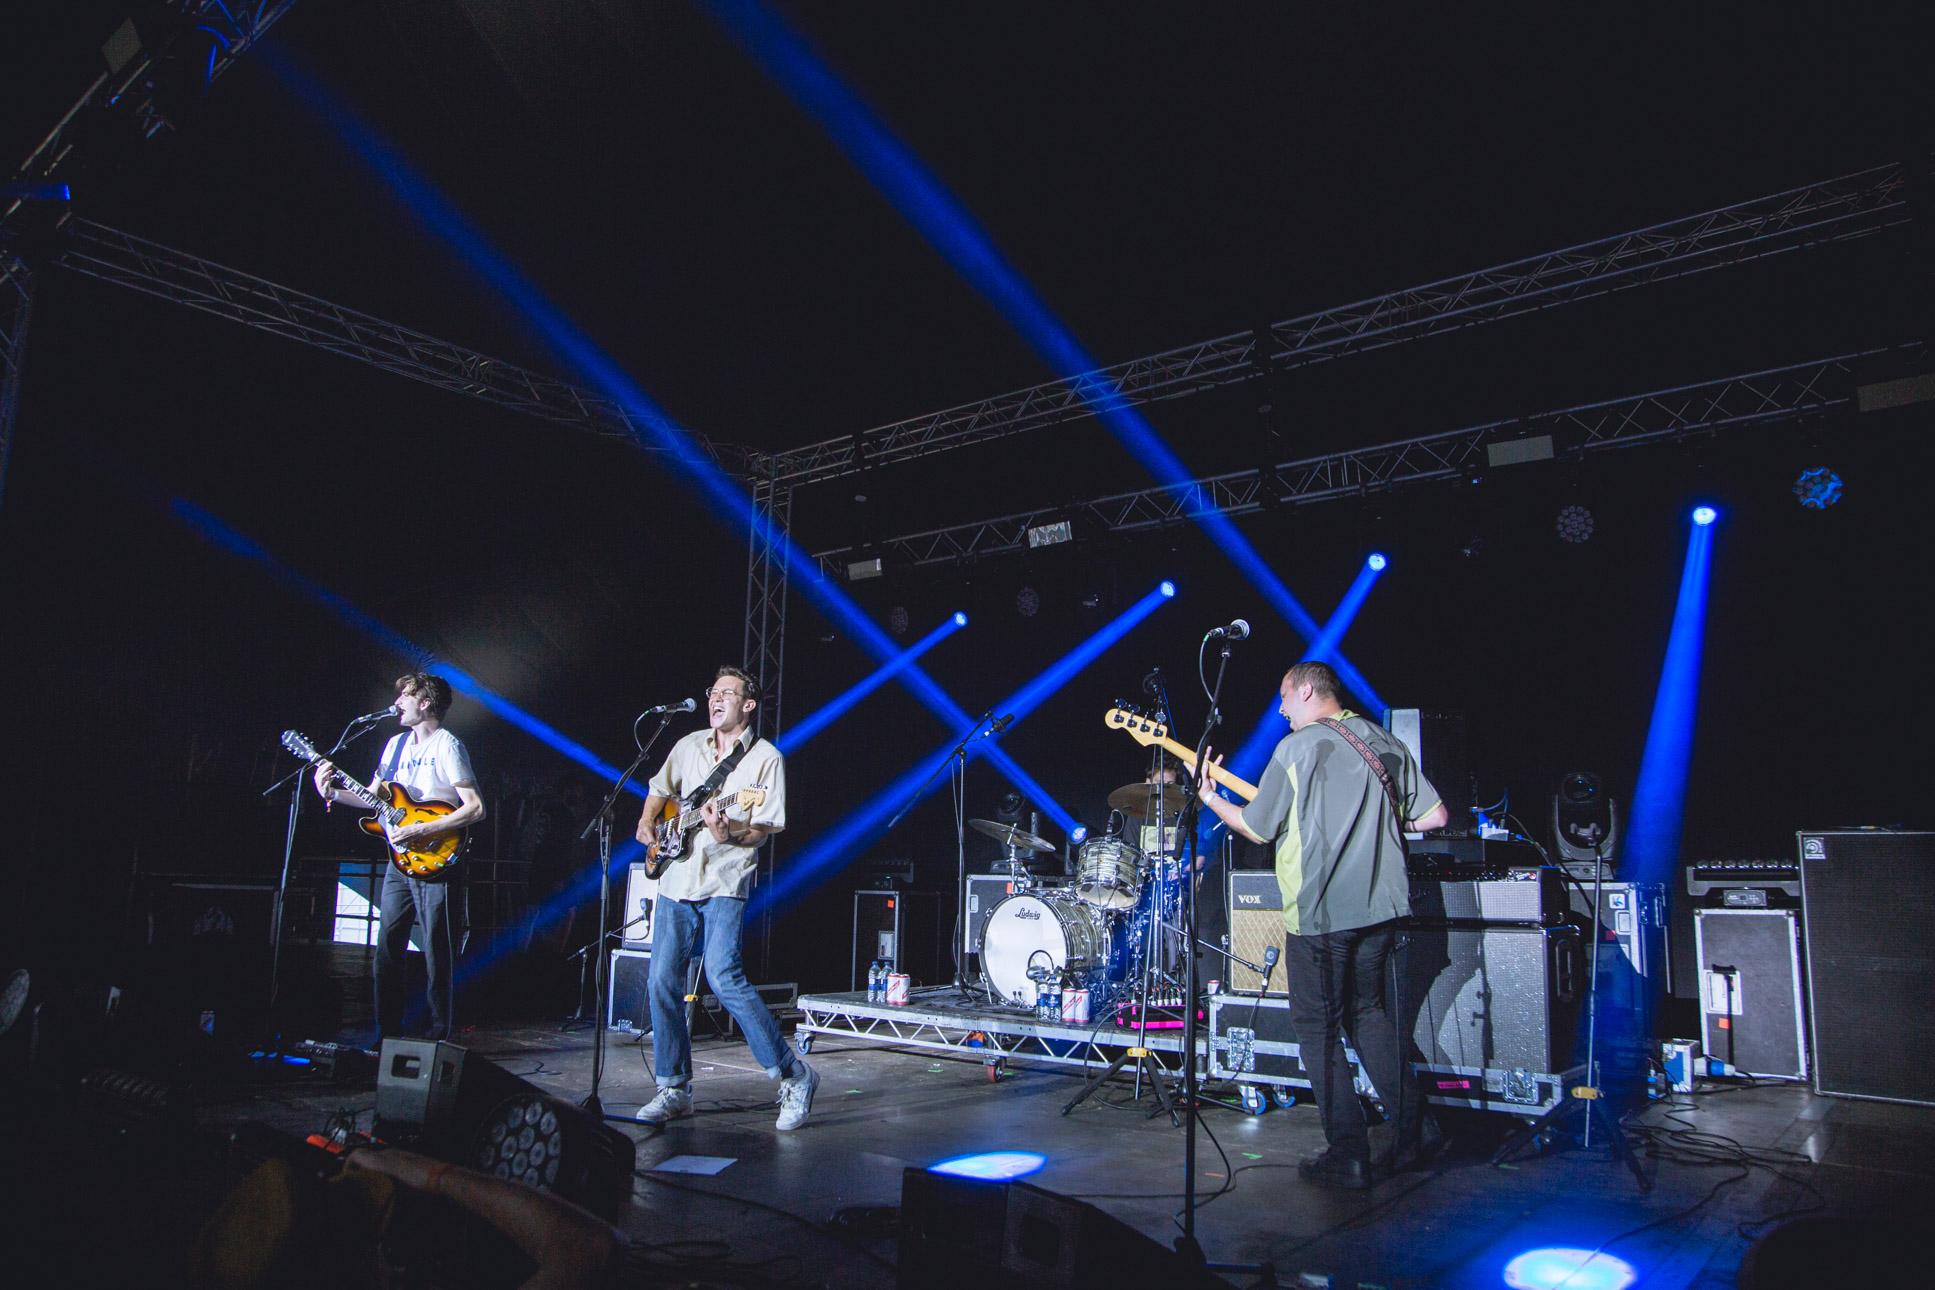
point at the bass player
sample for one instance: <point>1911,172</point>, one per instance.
<point>701,902</point>
<point>431,762</point>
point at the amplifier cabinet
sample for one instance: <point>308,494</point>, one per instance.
<point>984,892</point>
<point>1256,923</point>
<point>1535,896</point>
<point>628,1005</point>
<point>1868,908</point>
<point>635,920</point>
<point>909,929</point>
<point>1750,991</point>
<point>1493,998</point>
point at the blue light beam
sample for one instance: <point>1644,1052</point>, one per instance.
<point>831,849</point>
<point>652,427</point>
<point>1659,799</point>
<point>952,230</point>
<point>833,710</point>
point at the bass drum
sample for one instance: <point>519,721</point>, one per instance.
<point>1045,930</point>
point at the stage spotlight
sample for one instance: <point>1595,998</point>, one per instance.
<point>992,1166</point>
<point>1027,602</point>
<point>1557,1266</point>
<point>1377,562</point>
<point>960,619</point>
<point>1818,489</point>
<point>1575,523</point>
<point>1167,588</point>
<point>1080,835</point>
<point>1585,821</point>
<point>1704,515</point>
<point>897,620</point>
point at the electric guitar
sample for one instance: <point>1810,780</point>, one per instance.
<point>394,807</point>
<point>676,825</point>
<point>1146,731</point>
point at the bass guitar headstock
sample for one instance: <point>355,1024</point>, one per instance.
<point>1144,730</point>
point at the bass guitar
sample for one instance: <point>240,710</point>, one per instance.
<point>1146,731</point>
<point>677,824</point>
<point>394,807</point>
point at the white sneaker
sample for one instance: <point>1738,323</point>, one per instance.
<point>796,1097</point>
<point>670,1104</point>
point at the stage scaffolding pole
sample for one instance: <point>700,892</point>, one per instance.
<point>768,571</point>
<point>16,312</point>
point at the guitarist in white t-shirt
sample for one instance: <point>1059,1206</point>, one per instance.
<point>430,762</point>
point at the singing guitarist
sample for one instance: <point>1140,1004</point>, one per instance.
<point>701,901</point>
<point>431,762</point>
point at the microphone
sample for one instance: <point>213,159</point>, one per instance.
<point>1236,631</point>
<point>1000,723</point>
<point>390,711</point>
<point>1152,683</point>
<point>683,705</point>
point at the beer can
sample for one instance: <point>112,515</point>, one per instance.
<point>1075,1006</point>
<point>1215,987</point>
<point>897,983</point>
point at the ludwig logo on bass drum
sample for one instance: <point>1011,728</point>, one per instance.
<point>1028,913</point>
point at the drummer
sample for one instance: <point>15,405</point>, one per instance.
<point>1158,836</point>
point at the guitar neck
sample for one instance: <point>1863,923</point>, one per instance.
<point>1241,787</point>
<point>691,816</point>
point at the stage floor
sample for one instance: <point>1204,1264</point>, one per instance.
<point>880,1111</point>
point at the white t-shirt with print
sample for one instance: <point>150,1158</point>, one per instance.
<point>430,768</point>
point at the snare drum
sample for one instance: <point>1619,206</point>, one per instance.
<point>1040,930</point>
<point>1110,874</point>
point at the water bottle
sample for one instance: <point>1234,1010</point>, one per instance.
<point>873,981</point>
<point>1052,1000</point>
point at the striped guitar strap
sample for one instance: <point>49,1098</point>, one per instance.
<point>1375,762</point>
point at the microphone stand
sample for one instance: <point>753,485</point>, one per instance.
<point>601,822</point>
<point>1187,1244</point>
<point>270,1029</point>
<point>956,763</point>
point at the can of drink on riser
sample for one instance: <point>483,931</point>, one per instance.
<point>897,983</point>
<point>1075,1006</point>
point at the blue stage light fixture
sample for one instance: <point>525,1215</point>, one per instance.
<point>1377,562</point>
<point>825,854</point>
<point>1705,515</point>
<point>1818,489</point>
<point>951,229</point>
<point>651,426</point>
<point>795,735</point>
<point>1167,588</point>
<point>992,1166</point>
<point>1559,1266</point>
<point>1659,798</point>
<point>1080,835</point>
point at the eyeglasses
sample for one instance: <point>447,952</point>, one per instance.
<point>717,693</point>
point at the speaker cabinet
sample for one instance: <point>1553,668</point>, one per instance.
<point>628,1003</point>
<point>635,922</point>
<point>969,1234</point>
<point>1505,998</point>
<point>909,929</point>
<point>1868,907</point>
<point>1750,990</point>
<point>1256,923</point>
<point>984,892</point>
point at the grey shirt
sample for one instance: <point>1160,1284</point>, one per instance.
<point>710,867</point>
<point>1339,846</point>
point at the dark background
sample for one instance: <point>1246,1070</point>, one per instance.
<point>1160,177</point>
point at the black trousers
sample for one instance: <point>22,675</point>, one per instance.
<point>409,902</point>
<point>1339,987</point>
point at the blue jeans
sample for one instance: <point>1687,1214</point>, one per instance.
<point>406,902</point>
<point>676,928</point>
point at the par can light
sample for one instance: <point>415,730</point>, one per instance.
<point>1704,515</point>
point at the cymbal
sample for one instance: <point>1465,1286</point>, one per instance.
<point>1149,799</point>
<point>1011,835</point>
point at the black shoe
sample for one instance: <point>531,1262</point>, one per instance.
<point>1332,1168</point>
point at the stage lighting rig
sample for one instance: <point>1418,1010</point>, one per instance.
<point>1705,515</point>
<point>1818,489</point>
<point>1575,523</point>
<point>1585,823</point>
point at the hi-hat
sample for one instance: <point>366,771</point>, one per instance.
<point>1011,835</point>
<point>1149,799</point>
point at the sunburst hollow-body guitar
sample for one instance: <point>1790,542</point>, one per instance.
<point>678,823</point>
<point>391,808</point>
<point>1146,731</point>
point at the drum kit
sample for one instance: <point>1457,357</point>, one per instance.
<point>1110,928</point>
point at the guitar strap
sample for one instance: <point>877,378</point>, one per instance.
<point>700,795</point>
<point>1375,762</point>
<point>387,773</point>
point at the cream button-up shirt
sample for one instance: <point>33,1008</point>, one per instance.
<point>710,867</point>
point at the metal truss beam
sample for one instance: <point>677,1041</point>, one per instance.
<point>1837,210</point>
<point>148,267</point>
<point>16,311</point>
<point>1754,399</point>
